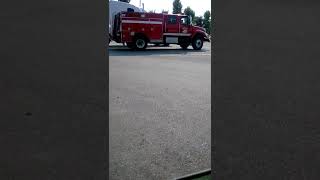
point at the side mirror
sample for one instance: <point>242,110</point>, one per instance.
<point>190,20</point>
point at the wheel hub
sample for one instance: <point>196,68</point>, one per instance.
<point>140,43</point>
<point>198,43</point>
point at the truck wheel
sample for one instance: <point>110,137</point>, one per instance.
<point>197,43</point>
<point>184,45</point>
<point>130,45</point>
<point>140,43</point>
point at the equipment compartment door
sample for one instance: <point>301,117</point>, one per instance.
<point>155,29</point>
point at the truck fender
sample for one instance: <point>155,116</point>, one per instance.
<point>198,33</point>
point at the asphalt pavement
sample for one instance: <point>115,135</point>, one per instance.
<point>160,112</point>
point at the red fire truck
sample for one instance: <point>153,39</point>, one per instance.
<point>137,29</point>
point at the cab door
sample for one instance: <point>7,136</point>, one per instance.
<point>184,25</point>
<point>172,24</point>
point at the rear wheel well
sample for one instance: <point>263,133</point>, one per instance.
<point>141,35</point>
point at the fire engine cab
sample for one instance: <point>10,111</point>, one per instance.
<point>137,29</point>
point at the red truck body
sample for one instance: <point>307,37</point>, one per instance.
<point>137,29</point>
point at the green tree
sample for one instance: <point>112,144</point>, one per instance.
<point>207,21</point>
<point>177,7</point>
<point>188,11</point>
<point>198,21</point>
<point>127,1</point>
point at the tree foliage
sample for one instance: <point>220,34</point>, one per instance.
<point>198,21</point>
<point>177,7</point>
<point>207,21</point>
<point>188,11</point>
<point>207,15</point>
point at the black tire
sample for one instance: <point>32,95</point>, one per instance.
<point>197,43</point>
<point>166,45</point>
<point>184,45</point>
<point>130,45</point>
<point>140,43</point>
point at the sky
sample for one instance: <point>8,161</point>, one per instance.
<point>199,6</point>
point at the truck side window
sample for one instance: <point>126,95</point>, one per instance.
<point>172,19</point>
<point>184,20</point>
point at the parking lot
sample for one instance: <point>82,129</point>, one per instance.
<point>159,112</point>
